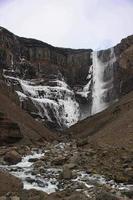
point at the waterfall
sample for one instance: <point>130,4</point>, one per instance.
<point>102,93</point>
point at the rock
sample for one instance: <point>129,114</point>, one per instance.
<point>9,183</point>
<point>38,164</point>
<point>15,198</point>
<point>30,180</point>
<point>74,158</point>
<point>33,159</point>
<point>41,170</point>
<point>71,165</point>
<point>125,165</point>
<point>12,157</point>
<point>3,198</point>
<point>66,173</point>
<point>33,195</point>
<point>59,160</point>
<point>129,193</point>
<point>82,142</point>
<point>41,184</point>
<point>24,150</point>
<point>67,195</point>
<point>9,131</point>
<point>129,169</point>
<point>40,60</point>
<point>106,196</point>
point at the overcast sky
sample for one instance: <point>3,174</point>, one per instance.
<point>96,24</point>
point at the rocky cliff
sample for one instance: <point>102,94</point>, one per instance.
<point>58,86</point>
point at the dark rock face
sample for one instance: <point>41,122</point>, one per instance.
<point>125,63</point>
<point>39,71</point>
<point>39,59</point>
<point>9,131</point>
<point>122,67</point>
<point>55,85</point>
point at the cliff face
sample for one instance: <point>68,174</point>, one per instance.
<point>44,59</point>
<point>124,50</point>
<point>45,77</point>
<point>56,85</point>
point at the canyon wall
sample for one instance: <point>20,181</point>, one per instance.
<point>56,85</point>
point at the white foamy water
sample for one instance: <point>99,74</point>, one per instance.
<point>60,99</point>
<point>54,103</point>
<point>101,87</point>
<point>24,169</point>
<point>25,160</point>
<point>48,181</point>
<point>90,180</point>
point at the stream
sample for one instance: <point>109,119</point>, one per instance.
<point>49,180</point>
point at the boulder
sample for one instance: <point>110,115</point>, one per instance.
<point>71,165</point>
<point>33,160</point>
<point>15,198</point>
<point>128,193</point>
<point>60,160</point>
<point>106,196</point>
<point>3,198</point>
<point>67,173</point>
<point>38,164</point>
<point>66,195</point>
<point>33,195</point>
<point>82,142</point>
<point>9,183</point>
<point>12,157</point>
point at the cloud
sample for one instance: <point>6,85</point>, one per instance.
<point>69,23</point>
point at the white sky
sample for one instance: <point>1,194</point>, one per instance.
<point>69,23</point>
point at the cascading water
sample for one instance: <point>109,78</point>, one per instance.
<point>102,80</point>
<point>61,106</point>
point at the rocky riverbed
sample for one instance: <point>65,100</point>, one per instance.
<point>67,168</point>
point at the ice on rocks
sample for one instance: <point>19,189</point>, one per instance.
<point>21,95</point>
<point>60,99</point>
<point>55,98</point>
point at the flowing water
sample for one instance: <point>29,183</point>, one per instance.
<point>48,181</point>
<point>102,80</point>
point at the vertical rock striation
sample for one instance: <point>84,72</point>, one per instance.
<point>60,86</point>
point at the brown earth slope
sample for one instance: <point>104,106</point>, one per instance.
<point>114,126</point>
<point>105,141</point>
<point>16,124</point>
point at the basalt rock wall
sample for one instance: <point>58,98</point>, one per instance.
<point>42,59</point>
<point>56,85</point>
